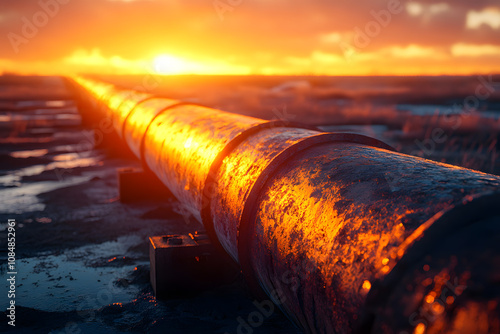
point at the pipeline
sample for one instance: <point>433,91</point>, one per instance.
<point>343,233</point>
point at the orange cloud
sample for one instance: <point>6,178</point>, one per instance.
<point>488,16</point>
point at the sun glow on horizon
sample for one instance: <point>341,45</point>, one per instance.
<point>390,61</point>
<point>166,64</point>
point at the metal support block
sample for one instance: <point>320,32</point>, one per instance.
<point>135,185</point>
<point>182,265</point>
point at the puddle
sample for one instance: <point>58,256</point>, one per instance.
<point>431,110</point>
<point>25,199</point>
<point>29,153</point>
<point>13,179</point>
<point>44,103</point>
<point>58,103</point>
<point>66,157</point>
<point>61,283</point>
<point>26,140</point>
<point>38,117</point>
<point>86,146</point>
<point>78,160</point>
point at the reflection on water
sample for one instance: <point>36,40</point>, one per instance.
<point>65,282</point>
<point>44,104</point>
<point>25,199</point>
<point>66,157</point>
<point>57,104</point>
<point>38,117</point>
<point>29,153</point>
<point>65,161</point>
<point>431,110</point>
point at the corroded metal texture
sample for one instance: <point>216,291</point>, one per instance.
<point>249,164</point>
<point>453,265</point>
<point>138,120</point>
<point>342,232</point>
<point>237,175</point>
<point>338,217</point>
<point>181,145</point>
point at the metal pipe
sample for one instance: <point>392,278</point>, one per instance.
<point>342,232</point>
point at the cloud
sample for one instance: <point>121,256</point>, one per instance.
<point>96,60</point>
<point>326,58</point>
<point>414,8</point>
<point>488,16</point>
<point>427,12</point>
<point>471,50</point>
<point>333,37</point>
<point>414,51</point>
<point>439,8</point>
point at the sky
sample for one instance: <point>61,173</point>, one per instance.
<point>270,37</point>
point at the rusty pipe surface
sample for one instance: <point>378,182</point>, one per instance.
<point>342,232</point>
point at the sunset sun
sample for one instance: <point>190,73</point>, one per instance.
<point>166,64</point>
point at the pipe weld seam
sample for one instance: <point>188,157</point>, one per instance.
<point>124,125</point>
<point>249,213</point>
<point>206,214</point>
